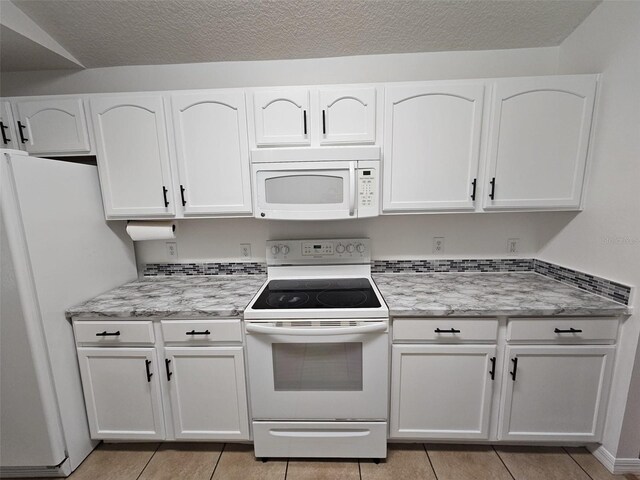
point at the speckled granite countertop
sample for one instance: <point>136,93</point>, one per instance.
<point>184,296</point>
<point>471,294</point>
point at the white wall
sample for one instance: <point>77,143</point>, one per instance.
<point>605,238</point>
<point>370,68</point>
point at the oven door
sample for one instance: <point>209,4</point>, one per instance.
<point>305,190</point>
<point>330,370</point>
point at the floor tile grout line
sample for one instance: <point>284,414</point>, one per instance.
<point>359,469</point>
<point>576,462</point>
<point>502,461</point>
<point>149,461</point>
<point>224,445</point>
<point>286,469</point>
<point>426,452</point>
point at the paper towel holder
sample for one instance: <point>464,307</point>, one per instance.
<point>173,227</point>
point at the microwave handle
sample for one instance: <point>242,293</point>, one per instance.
<point>373,327</point>
<point>353,187</point>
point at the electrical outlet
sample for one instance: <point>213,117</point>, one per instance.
<point>172,251</point>
<point>438,245</point>
<point>245,250</point>
<point>513,246</point>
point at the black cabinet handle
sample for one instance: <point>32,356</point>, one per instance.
<point>23,139</point>
<point>492,372</point>
<point>569,330</point>
<point>108,334</point>
<point>169,372</point>
<point>451,330</point>
<point>304,121</point>
<point>324,124</point>
<point>164,194</point>
<point>515,368</point>
<point>149,374</point>
<point>5,139</point>
<point>193,332</point>
<point>492,195</point>
<point>184,202</point>
<point>473,191</point>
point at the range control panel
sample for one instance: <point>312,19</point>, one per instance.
<point>313,252</point>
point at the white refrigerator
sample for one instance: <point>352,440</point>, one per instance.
<point>57,251</point>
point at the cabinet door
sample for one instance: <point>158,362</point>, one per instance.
<point>282,117</point>
<point>55,126</point>
<point>133,157</point>
<point>213,152</point>
<point>208,394</point>
<point>432,147</point>
<point>441,391</point>
<point>556,393</point>
<point>538,142</point>
<point>8,137</point>
<point>122,393</point>
<point>347,115</point>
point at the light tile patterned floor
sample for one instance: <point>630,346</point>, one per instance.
<point>216,461</point>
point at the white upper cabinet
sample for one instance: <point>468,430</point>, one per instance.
<point>8,137</point>
<point>281,117</point>
<point>52,126</point>
<point>432,146</point>
<point>538,142</point>
<point>133,157</point>
<point>212,153</point>
<point>347,115</point>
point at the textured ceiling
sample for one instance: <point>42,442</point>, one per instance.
<point>140,32</point>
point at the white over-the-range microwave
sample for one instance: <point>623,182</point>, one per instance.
<point>325,183</point>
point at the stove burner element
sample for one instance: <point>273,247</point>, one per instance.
<point>287,300</point>
<point>342,299</point>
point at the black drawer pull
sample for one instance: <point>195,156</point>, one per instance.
<point>304,121</point>
<point>108,334</point>
<point>492,372</point>
<point>5,139</point>
<point>324,124</point>
<point>515,368</point>
<point>164,194</point>
<point>149,374</point>
<point>569,330</point>
<point>193,332</point>
<point>21,127</point>
<point>169,372</point>
<point>451,330</point>
<point>473,191</point>
<point>182,190</point>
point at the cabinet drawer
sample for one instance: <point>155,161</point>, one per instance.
<point>113,333</point>
<point>563,330</point>
<point>445,330</point>
<point>201,331</point>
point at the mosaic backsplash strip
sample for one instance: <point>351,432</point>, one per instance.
<point>600,286</point>
<point>590,283</point>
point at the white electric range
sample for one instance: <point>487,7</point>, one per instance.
<point>317,345</point>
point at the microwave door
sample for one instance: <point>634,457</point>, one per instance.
<point>295,191</point>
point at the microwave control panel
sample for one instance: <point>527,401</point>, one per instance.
<point>305,252</point>
<point>367,192</point>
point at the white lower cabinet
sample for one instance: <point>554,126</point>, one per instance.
<point>208,393</point>
<point>122,393</point>
<point>442,391</point>
<point>555,393</point>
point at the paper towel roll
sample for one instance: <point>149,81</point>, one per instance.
<point>160,230</point>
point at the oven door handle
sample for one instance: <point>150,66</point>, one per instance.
<point>352,188</point>
<point>297,331</point>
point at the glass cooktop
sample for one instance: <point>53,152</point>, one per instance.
<point>317,293</point>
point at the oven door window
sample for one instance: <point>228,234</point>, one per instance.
<point>304,190</point>
<point>317,366</point>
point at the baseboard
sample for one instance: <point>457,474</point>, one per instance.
<point>615,465</point>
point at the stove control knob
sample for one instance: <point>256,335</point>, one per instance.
<point>360,248</point>
<point>340,248</point>
<point>350,248</point>
<point>275,249</point>
<point>284,249</point>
